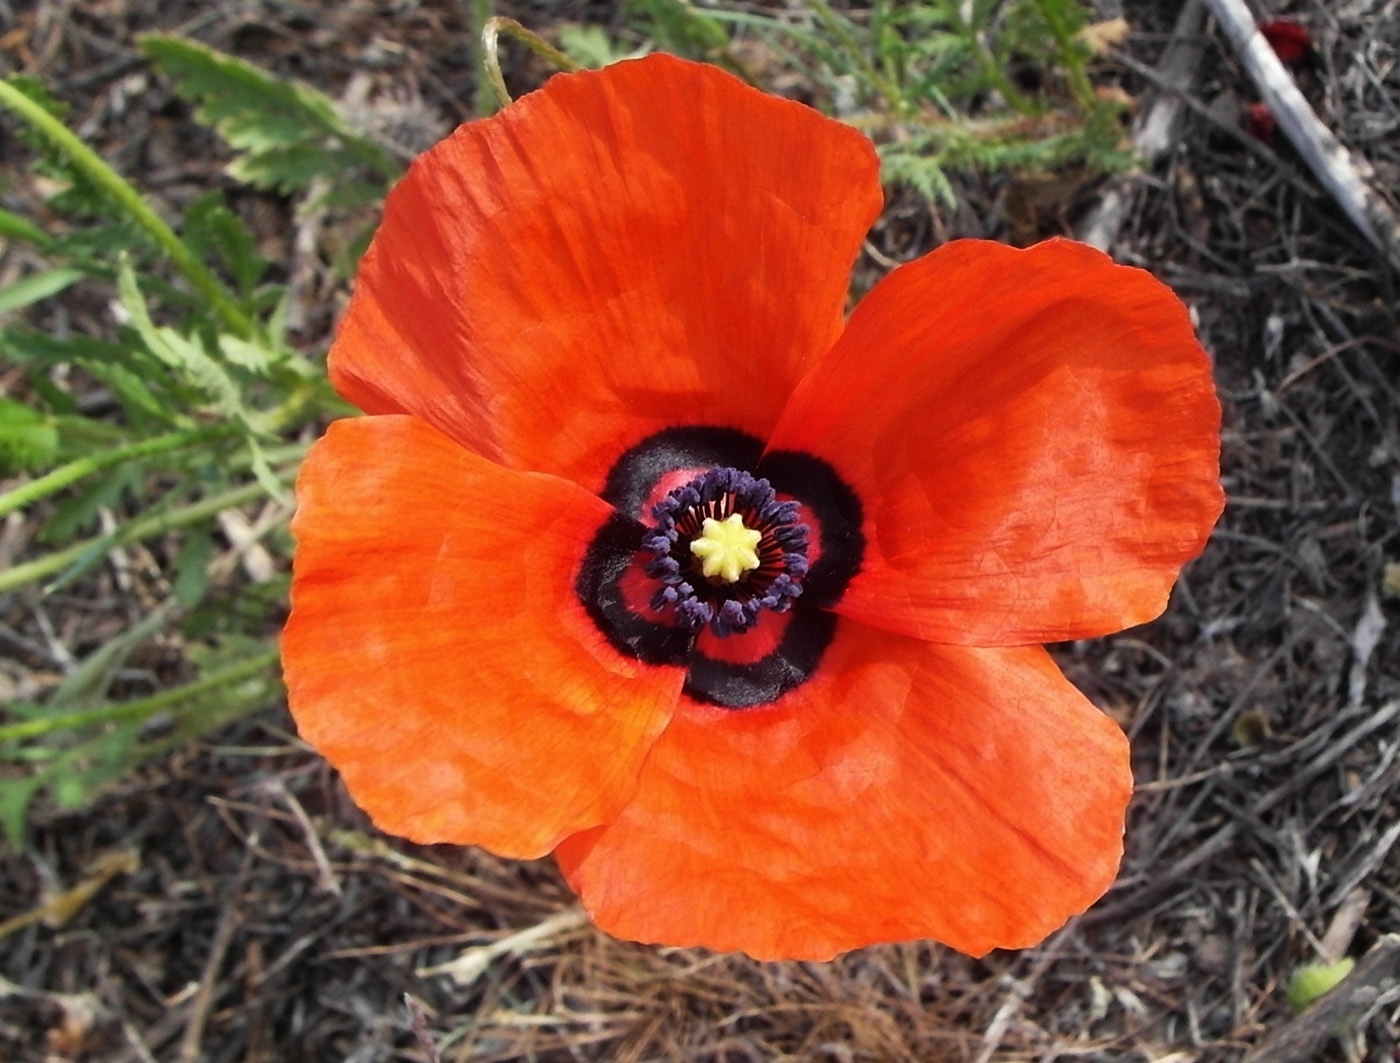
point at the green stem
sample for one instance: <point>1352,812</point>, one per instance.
<point>55,481</point>
<point>142,708</point>
<point>490,48</point>
<point>888,89</point>
<point>991,69</point>
<point>141,528</point>
<point>130,200</point>
<point>1069,53</point>
<point>484,95</point>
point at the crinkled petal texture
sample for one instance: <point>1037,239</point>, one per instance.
<point>437,654</point>
<point>1035,438</point>
<point>624,250</point>
<point>909,791</point>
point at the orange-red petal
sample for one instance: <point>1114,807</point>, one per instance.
<point>1034,436</point>
<point>649,245</point>
<point>910,791</point>
<point>437,654</point>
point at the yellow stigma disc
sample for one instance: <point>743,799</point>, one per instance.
<point>726,548</point>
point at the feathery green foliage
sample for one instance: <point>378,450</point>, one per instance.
<point>943,86</point>
<point>286,134</point>
<point>201,391</point>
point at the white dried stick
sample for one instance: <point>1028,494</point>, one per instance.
<point>1345,175</point>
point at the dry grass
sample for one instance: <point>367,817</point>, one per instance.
<point>267,922</point>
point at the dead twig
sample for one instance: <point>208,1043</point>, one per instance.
<point>56,910</point>
<point>420,1029</point>
<point>190,1043</point>
<point>1346,176</point>
<point>1158,130</point>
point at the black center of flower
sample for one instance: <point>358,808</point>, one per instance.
<point>712,519</point>
<point>788,497</point>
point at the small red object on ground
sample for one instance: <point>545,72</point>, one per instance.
<point>1290,40</point>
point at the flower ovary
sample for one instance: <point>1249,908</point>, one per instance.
<point>726,548</point>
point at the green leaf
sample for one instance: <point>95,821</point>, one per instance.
<point>289,168</point>
<point>285,133</point>
<point>90,681</point>
<point>78,195</point>
<point>81,756</point>
<point>37,286</point>
<point>262,472</point>
<point>13,227</point>
<point>590,46</point>
<point>191,575</point>
<point>253,357</point>
<point>28,439</point>
<point>15,796</point>
<point>212,230</point>
<point>681,27</point>
<point>79,511</point>
<point>133,376</point>
<point>187,357</point>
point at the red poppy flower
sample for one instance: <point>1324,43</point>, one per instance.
<point>605,326</point>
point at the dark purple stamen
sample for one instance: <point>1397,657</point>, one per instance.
<point>727,607</point>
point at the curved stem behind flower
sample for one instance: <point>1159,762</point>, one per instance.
<point>490,48</point>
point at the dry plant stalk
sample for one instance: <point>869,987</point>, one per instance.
<point>1347,177</point>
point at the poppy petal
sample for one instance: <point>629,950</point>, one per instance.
<point>649,245</point>
<point>437,654</point>
<point>910,790</point>
<point>1034,436</point>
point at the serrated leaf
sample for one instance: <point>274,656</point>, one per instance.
<point>213,230</point>
<point>54,397</point>
<point>253,357</point>
<point>262,472</point>
<point>79,195</point>
<point>185,356</point>
<point>78,512</point>
<point>37,286</point>
<point>90,680</point>
<point>191,574</point>
<point>285,132</point>
<point>88,560</point>
<point>238,98</point>
<point>28,439</point>
<point>131,391</point>
<point>23,345</point>
<point>129,372</point>
<point>289,168</point>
